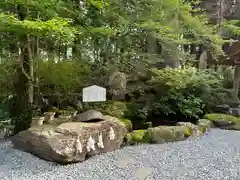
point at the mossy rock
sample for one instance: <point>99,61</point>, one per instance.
<point>158,135</point>
<point>205,123</point>
<point>137,136</point>
<point>163,134</point>
<point>128,124</point>
<point>202,129</point>
<point>235,127</point>
<point>222,120</point>
<point>191,129</point>
<point>221,117</point>
<point>188,132</point>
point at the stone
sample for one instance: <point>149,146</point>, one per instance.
<point>117,83</point>
<point>70,142</point>
<point>110,118</point>
<point>233,103</point>
<point>205,123</point>
<point>235,112</point>
<point>163,134</point>
<point>222,120</point>
<point>88,116</point>
<point>49,116</point>
<point>194,130</point>
<point>37,121</point>
<point>223,108</point>
<point>137,136</point>
<point>223,123</point>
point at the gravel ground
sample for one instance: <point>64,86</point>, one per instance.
<point>214,156</point>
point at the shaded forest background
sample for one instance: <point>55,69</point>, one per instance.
<point>148,54</point>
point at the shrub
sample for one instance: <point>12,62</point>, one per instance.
<point>128,124</point>
<point>62,77</point>
<point>137,111</point>
<point>185,92</point>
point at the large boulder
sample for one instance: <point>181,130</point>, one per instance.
<point>89,115</point>
<point>72,141</point>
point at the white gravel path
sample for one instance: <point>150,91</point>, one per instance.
<point>214,156</point>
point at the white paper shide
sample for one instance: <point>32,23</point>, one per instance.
<point>78,145</point>
<point>100,141</point>
<point>111,134</point>
<point>91,144</point>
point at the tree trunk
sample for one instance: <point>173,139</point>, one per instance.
<point>236,82</point>
<point>23,83</point>
<point>24,91</point>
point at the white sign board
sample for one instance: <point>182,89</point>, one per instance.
<point>94,94</point>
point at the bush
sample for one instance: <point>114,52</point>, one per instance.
<point>128,124</point>
<point>62,77</point>
<point>185,92</point>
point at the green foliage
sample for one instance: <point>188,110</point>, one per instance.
<point>148,125</point>
<point>136,111</point>
<point>22,122</point>
<point>184,92</point>
<point>62,77</point>
<point>128,124</point>
<point>56,29</point>
<point>4,112</point>
<point>233,27</point>
<point>104,35</point>
<point>6,77</point>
